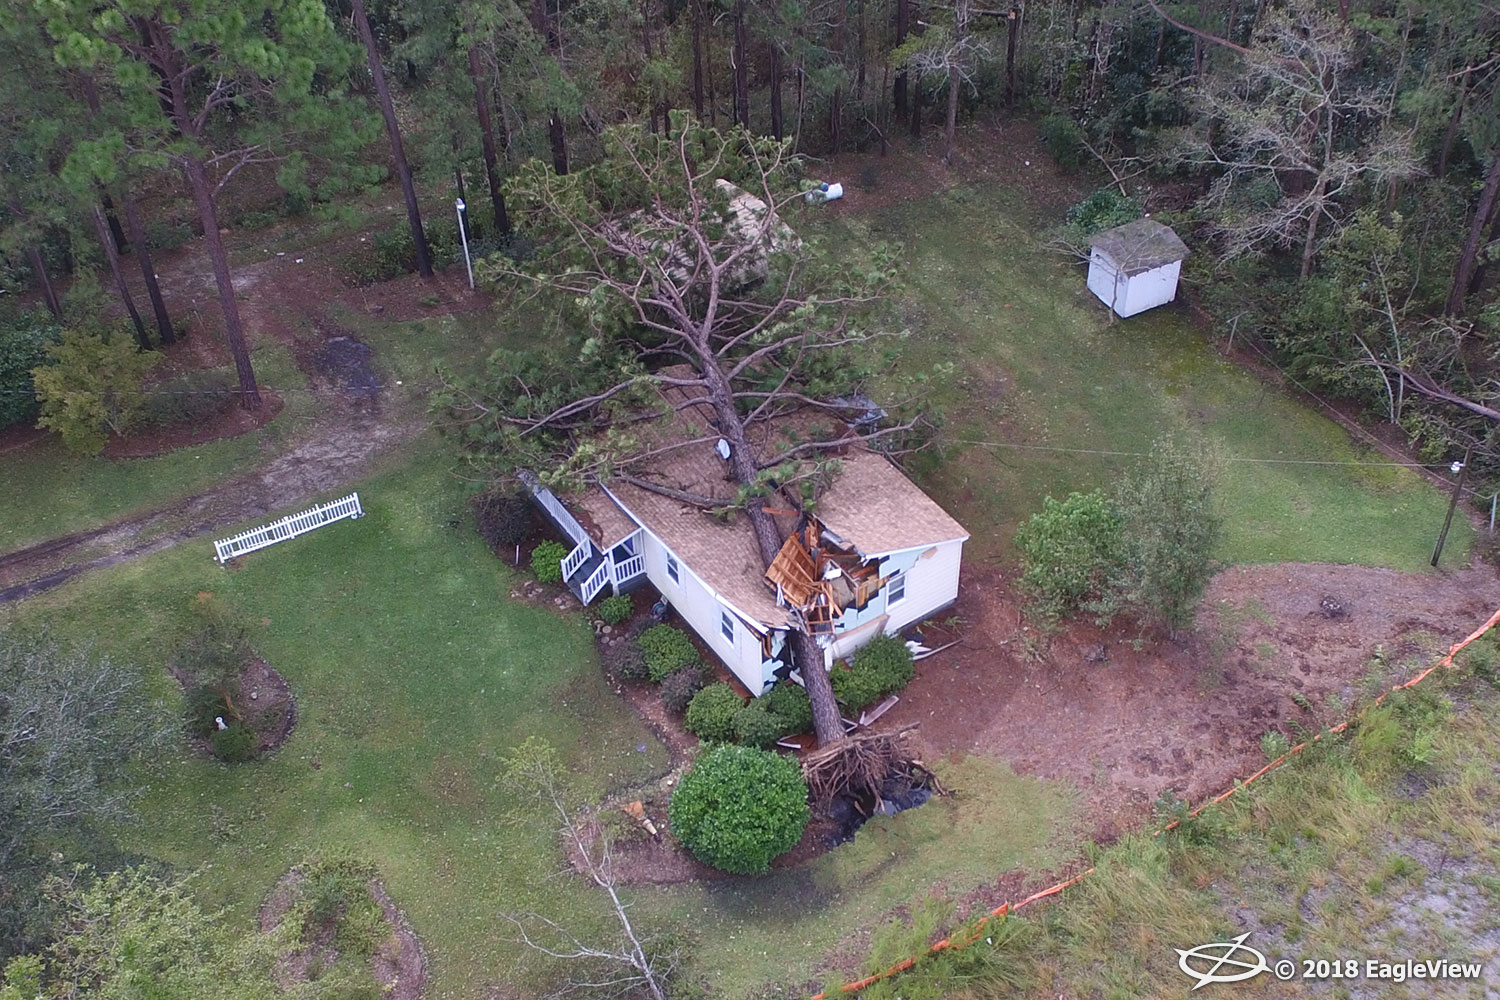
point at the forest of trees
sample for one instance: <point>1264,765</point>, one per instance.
<point>1339,160</point>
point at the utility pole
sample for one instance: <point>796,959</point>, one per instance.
<point>1462,468</point>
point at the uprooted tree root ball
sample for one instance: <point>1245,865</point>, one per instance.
<point>859,768</point>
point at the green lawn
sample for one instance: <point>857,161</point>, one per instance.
<point>413,671</point>
<point>1040,366</point>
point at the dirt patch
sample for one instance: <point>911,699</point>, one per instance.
<point>1001,151</point>
<point>233,422</point>
<point>399,964</point>
<point>1125,725</point>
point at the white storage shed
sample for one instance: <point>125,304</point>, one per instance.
<point>1134,267</point>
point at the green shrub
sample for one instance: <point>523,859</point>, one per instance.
<point>335,898</point>
<point>1105,209</point>
<point>235,744</point>
<point>789,703</point>
<point>195,398</point>
<point>627,662</point>
<point>91,386</point>
<point>754,726</point>
<point>546,561</point>
<point>162,234</point>
<point>203,704</point>
<point>24,339</point>
<point>854,689</point>
<point>710,715</point>
<point>215,653</point>
<point>617,609</point>
<point>1070,551</point>
<point>738,808</point>
<point>888,660</point>
<point>679,687</point>
<point>667,649</point>
<point>504,518</point>
<point>1064,140</point>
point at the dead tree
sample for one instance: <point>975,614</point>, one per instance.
<point>630,964</point>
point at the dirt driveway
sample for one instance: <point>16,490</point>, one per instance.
<point>1278,647</point>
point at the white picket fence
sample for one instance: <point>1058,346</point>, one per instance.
<point>290,526</point>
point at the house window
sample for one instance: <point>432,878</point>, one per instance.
<point>672,569</point>
<point>726,625</point>
<point>895,590</point>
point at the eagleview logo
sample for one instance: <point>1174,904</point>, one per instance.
<point>1217,962</point>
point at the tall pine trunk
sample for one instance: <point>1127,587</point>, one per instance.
<point>116,233</point>
<point>234,332</point>
<point>777,126</point>
<point>43,279</point>
<point>903,23</point>
<point>1468,260</point>
<point>559,137</point>
<point>1012,29</point>
<point>487,143</point>
<point>393,132</point>
<point>697,17</point>
<point>951,132</point>
<point>741,66</point>
<point>148,270</point>
<point>112,257</point>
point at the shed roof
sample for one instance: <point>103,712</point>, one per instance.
<point>1140,246</point>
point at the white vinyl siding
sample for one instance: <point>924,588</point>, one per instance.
<point>702,611</point>
<point>931,583</point>
<point>1131,294</point>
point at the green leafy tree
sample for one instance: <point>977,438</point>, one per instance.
<point>1171,527</point>
<point>132,934</point>
<point>71,724</point>
<point>738,808</point>
<point>1071,551</point>
<point>90,387</point>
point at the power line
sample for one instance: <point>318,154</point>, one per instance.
<point>1233,458</point>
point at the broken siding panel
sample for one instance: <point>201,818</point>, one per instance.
<point>931,583</point>
<point>697,605</point>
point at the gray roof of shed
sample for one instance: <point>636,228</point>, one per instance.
<point>1140,245</point>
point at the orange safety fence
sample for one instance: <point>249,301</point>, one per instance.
<point>1005,909</point>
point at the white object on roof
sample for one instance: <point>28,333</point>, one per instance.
<point>1135,267</point>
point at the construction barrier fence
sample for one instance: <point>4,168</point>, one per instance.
<point>1006,909</point>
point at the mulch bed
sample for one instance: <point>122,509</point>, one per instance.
<point>268,706</point>
<point>159,441</point>
<point>399,965</point>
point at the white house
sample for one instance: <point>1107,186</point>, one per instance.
<point>1134,267</point>
<point>877,556</point>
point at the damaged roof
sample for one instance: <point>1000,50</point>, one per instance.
<point>869,505</point>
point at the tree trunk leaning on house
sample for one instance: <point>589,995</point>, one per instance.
<point>692,302</point>
<point>393,132</point>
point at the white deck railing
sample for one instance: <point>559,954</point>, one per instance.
<point>561,515</point>
<point>287,527</point>
<point>576,558</point>
<point>629,569</point>
<point>595,582</point>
